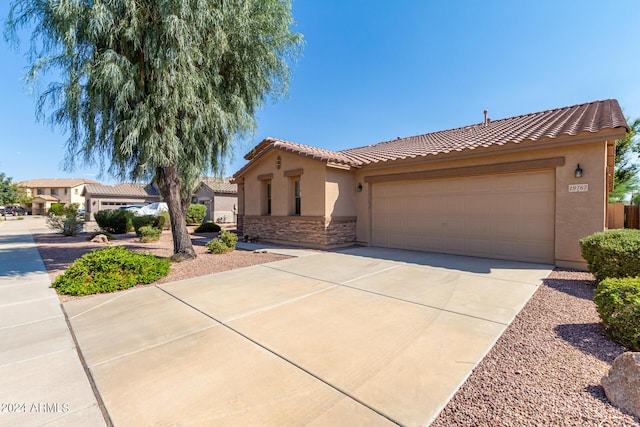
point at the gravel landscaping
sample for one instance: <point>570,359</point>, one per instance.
<point>58,252</point>
<point>544,370</point>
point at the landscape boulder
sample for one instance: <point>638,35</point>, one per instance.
<point>100,238</point>
<point>622,383</point>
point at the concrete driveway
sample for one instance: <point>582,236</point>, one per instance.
<point>366,336</point>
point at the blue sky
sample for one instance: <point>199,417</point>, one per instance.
<point>375,70</point>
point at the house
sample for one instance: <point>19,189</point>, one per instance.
<point>217,194</point>
<point>220,196</point>
<point>522,188</point>
<point>45,192</point>
<point>100,197</point>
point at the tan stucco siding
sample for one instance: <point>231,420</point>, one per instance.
<point>579,214</point>
<point>340,193</point>
<point>312,182</point>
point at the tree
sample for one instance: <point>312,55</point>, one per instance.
<point>625,179</point>
<point>158,88</point>
<point>8,191</point>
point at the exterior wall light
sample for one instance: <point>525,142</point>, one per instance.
<point>359,187</point>
<point>578,173</point>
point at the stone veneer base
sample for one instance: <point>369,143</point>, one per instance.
<point>315,231</point>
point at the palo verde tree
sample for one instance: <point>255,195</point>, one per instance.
<point>157,88</point>
<point>625,178</point>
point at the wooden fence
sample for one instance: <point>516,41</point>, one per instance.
<point>621,216</point>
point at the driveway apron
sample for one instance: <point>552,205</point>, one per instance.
<point>366,336</point>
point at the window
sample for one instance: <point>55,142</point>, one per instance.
<point>54,192</point>
<point>296,196</point>
<point>40,191</point>
<point>66,191</point>
<point>266,197</point>
<point>75,191</point>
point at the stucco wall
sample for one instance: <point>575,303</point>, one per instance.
<point>312,182</point>
<point>225,206</point>
<point>340,193</point>
<point>579,214</point>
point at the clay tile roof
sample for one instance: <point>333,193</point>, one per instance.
<point>590,117</point>
<point>550,124</point>
<point>303,150</point>
<point>56,183</point>
<point>125,189</point>
<point>46,197</point>
<point>219,185</point>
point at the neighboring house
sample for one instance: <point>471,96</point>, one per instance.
<point>220,197</point>
<point>217,194</point>
<point>100,197</point>
<point>523,188</point>
<point>45,192</point>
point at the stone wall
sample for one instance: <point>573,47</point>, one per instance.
<point>312,231</point>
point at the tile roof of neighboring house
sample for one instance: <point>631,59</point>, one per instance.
<point>46,197</point>
<point>56,183</point>
<point>124,189</point>
<point>545,125</point>
<point>219,185</point>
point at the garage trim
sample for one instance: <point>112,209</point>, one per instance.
<point>470,170</point>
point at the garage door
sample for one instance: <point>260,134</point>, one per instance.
<point>506,216</point>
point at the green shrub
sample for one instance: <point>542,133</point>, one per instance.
<point>224,243</point>
<point>613,253</point>
<point>196,214</point>
<point>618,304</point>
<point>65,219</point>
<point>208,227</point>
<point>116,221</point>
<point>217,246</point>
<point>148,234</point>
<point>103,232</point>
<point>229,239</point>
<point>56,209</point>
<point>149,221</point>
<point>109,270</point>
<point>164,220</point>
<point>143,221</point>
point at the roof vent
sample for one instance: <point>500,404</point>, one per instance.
<point>486,119</point>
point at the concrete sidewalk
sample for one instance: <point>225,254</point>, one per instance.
<point>42,381</point>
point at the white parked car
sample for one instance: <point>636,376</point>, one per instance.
<point>154,209</point>
<point>131,208</point>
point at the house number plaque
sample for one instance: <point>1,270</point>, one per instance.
<point>578,188</point>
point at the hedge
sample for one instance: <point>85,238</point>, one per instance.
<point>115,221</point>
<point>618,304</point>
<point>612,253</point>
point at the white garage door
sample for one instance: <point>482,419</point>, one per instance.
<point>506,216</point>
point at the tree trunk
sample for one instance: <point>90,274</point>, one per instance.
<point>169,184</point>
